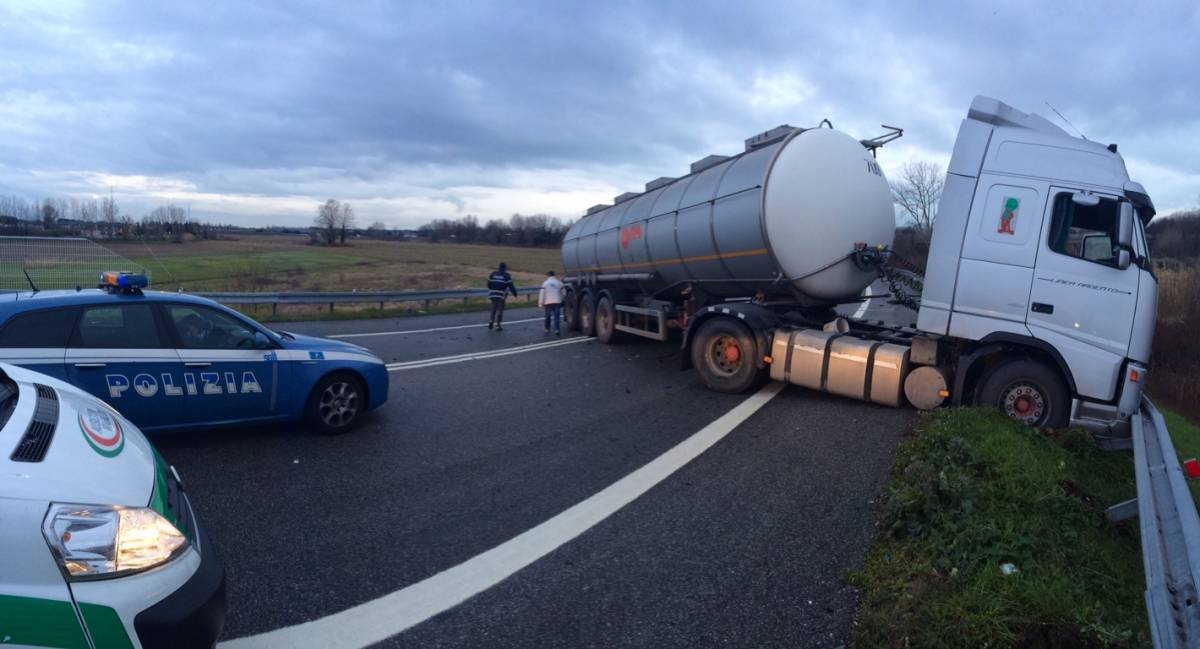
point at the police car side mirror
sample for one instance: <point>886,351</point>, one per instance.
<point>261,341</point>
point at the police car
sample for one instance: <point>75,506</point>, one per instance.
<point>173,361</point>
<point>100,546</point>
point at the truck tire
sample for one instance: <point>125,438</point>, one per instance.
<point>587,315</point>
<point>571,311</point>
<point>1028,392</point>
<point>606,320</point>
<point>336,404</point>
<point>724,352</point>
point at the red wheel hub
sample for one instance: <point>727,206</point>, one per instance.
<point>1023,405</point>
<point>733,353</point>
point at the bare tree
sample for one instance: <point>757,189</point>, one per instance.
<point>50,214</point>
<point>328,217</point>
<point>345,220</point>
<point>110,213</point>
<point>918,192</point>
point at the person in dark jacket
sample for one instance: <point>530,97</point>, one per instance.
<point>499,284</point>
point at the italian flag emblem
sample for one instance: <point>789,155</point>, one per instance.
<point>102,432</point>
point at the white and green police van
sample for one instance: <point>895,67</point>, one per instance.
<point>99,546</point>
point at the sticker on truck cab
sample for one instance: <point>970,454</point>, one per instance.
<point>1008,214</point>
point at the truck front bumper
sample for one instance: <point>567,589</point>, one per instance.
<point>1111,420</point>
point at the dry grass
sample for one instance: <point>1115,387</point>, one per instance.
<point>1175,367</point>
<point>288,263</point>
<point>278,263</point>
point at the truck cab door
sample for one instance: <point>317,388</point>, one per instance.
<point>999,252</point>
<point>1082,302</point>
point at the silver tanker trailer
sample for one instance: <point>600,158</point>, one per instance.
<point>1039,297</point>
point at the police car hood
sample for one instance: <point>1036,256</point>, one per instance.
<point>300,341</point>
<point>94,456</point>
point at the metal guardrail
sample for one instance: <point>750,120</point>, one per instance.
<point>1170,530</point>
<point>352,297</point>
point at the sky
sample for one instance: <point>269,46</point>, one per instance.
<point>253,113</point>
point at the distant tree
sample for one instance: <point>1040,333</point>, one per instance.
<point>345,220</point>
<point>377,230</point>
<point>110,213</point>
<point>918,192</point>
<point>328,217</point>
<point>49,214</point>
<point>518,230</point>
<point>1175,236</point>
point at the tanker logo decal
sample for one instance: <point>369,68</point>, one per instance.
<point>630,234</point>
<point>102,432</point>
<point>1008,215</point>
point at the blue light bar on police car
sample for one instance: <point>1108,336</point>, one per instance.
<point>123,280</point>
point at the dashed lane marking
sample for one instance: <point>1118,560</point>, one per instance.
<point>424,331</point>
<point>862,308</point>
<point>476,356</point>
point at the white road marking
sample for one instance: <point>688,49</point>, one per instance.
<point>425,331</point>
<point>382,618</point>
<point>475,356</point>
<point>862,308</point>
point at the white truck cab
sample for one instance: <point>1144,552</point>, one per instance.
<point>1040,245</point>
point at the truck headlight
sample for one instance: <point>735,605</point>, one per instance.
<point>97,541</point>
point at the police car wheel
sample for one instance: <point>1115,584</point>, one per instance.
<point>336,404</point>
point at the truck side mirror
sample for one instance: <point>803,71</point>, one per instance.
<point>1125,228</point>
<point>1122,259</point>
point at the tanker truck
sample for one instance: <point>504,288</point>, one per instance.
<point>1038,298</point>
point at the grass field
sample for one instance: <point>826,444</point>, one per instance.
<point>994,535</point>
<point>288,263</point>
<point>278,262</point>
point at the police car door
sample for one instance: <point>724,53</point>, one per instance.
<point>226,378</point>
<point>120,353</point>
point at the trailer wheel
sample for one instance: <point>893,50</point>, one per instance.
<point>724,353</point>
<point>571,311</point>
<point>1028,392</point>
<point>587,315</point>
<point>606,320</point>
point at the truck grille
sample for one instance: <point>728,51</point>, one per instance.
<point>36,440</point>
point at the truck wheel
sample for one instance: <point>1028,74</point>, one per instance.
<point>724,352</point>
<point>606,320</point>
<point>571,311</point>
<point>1028,392</point>
<point>336,404</point>
<point>587,315</point>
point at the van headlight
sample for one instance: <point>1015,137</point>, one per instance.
<point>98,541</point>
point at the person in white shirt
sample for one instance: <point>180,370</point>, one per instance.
<point>551,299</point>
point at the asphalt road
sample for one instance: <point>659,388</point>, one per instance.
<point>744,546</point>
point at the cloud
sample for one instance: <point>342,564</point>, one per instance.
<point>251,111</point>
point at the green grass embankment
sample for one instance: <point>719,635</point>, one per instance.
<point>973,497</point>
